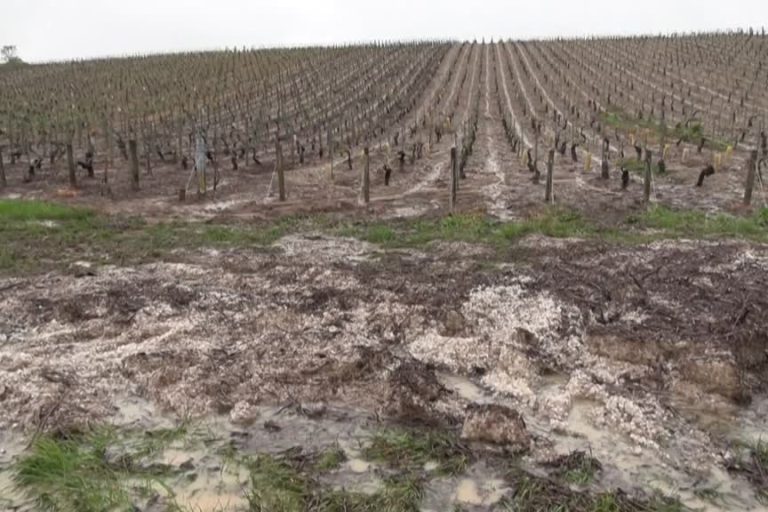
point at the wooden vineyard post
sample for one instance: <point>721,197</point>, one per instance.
<point>549,196</point>
<point>108,152</point>
<point>148,146</point>
<point>454,179</point>
<point>3,181</point>
<point>366,180</point>
<point>201,164</point>
<point>134,162</point>
<point>648,177</point>
<point>329,143</point>
<point>751,173</point>
<point>71,166</point>
<point>279,169</point>
<point>180,145</point>
<point>605,170</point>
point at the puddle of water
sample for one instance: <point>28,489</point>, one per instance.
<point>726,420</point>
<point>358,466</point>
<point>214,492</point>
<point>11,445</point>
<point>179,456</point>
<point>479,487</point>
<point>462,386</point>
<point>489,492</point>
<point>10,497</point>
<point>469,493</point>
<point>626,466</point>
<point>211,484</point>
<point>207,501</point>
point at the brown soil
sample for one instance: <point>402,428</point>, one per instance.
<point>326,319</point>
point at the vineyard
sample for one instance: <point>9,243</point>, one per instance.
<point>467,276</point>
<point>255,128</point>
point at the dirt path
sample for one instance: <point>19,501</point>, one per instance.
<point>492,159</point>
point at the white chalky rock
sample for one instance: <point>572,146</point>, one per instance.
<point>243,413</point>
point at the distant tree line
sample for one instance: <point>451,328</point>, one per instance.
<point>9,55</point>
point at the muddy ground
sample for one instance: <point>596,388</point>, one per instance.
<point>652,359</point>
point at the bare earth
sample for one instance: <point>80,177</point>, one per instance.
<point>638,355</point>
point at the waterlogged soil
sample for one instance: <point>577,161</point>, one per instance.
<point>652,359</point>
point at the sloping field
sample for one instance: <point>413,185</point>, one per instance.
<point>240,280</point>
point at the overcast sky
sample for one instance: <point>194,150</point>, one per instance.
<point>65,29</point>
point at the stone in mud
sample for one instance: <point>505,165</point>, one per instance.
<point>454,323</point>
<point>82,269</point>
<point>272,427</point>
<point>243,413</point>
<point>413,391</point>
<point>496,424</point>
<point>313,410</point>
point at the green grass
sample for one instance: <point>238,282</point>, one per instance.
<point>619,119</point>
<point>379,234</point>
<point>108,469</point>
<point>152,442</point>
<point>655,224</point>
<point>330,459</point>
<point>533,494</point>
<point>470,228</point>
<point>578,468</point>
<point>20,210</point>
<point>623,121</point>
<point>700,225</point>
<point>95,470</point>
<point>40,236</point>
<point>30,244</point>
<point>276,486</point>
<point>402,493</point>
<point>72,475</point>
<point>760,469</point>
<point>411,450</point>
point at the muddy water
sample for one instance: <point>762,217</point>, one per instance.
<point>207,481</point>
<point>204,479</point>
<point>627,466</point>
<point>478,489</point>
<point>214,491</point>
<point>11,445</point>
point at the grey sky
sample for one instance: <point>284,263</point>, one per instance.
<point>65,29</point>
